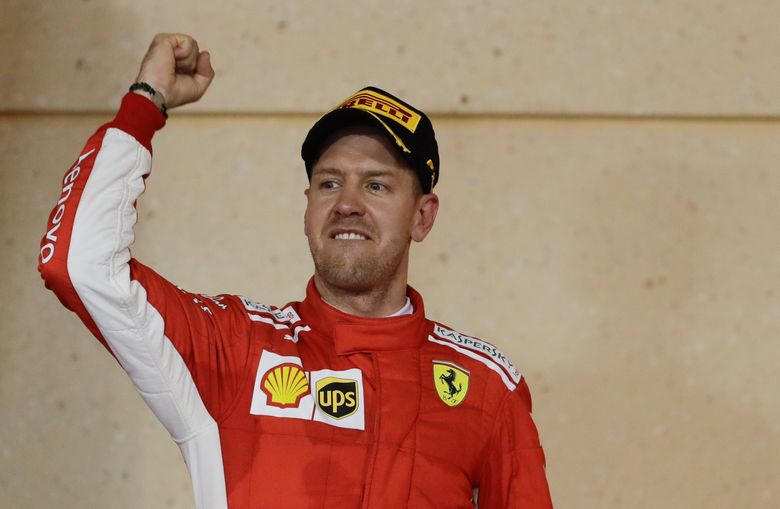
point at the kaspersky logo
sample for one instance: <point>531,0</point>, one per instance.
<point>337,397</point>
<point>285,385</point>
<point>373,102</point>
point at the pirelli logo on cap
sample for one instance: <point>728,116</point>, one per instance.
<point>374,102</point>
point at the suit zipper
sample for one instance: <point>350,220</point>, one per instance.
<point>368,475</point>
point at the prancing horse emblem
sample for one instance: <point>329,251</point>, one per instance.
<point>451,381</point>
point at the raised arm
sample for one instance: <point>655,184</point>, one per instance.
<point>184,352</point>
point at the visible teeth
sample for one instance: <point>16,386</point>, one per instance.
<point>350,236</point>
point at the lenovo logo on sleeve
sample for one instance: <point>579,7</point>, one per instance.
<point>47,250</point>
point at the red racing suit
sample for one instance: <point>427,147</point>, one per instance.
<point>295,407</point>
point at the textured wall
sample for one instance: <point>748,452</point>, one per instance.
<point>565,56</point>
<point>609,192</point>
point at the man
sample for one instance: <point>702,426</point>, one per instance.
<point>351,398</point>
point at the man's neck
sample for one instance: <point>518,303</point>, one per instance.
<point>373,303</point>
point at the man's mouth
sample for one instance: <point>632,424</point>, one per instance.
<point>349,236</point>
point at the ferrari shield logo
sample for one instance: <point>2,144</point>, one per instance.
<point>451,381</point>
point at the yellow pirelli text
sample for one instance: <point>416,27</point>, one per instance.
<point>382,105</point>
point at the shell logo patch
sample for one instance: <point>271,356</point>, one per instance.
<point>451,382</point>
<point>285,385</point>
<point>337,397</point>
<point>284,388</point>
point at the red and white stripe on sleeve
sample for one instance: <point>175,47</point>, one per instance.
<point>183,354</point>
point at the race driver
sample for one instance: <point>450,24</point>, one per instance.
<point>351,398</point>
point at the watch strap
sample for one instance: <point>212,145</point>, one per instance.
<point>156,97</point>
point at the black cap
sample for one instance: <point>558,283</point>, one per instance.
<point>408,128</point>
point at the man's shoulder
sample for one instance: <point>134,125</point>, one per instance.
<point>284,318</point>
<point>245,307</point>
<point>475,352</point>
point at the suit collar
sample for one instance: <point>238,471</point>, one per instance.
<point>352,333</point>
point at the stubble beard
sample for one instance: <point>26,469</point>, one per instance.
<point>357,272</point>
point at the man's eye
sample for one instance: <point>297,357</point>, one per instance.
<point>328,184</point>
<point>376,186</point>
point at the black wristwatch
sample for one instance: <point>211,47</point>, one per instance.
<point>157,98</point>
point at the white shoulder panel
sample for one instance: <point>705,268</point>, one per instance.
<point>487,353</point>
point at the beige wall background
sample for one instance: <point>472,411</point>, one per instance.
<point>610,203</point>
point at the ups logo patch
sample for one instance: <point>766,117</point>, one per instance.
<point>337,397</point>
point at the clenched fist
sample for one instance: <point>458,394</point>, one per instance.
<point>176,68</point>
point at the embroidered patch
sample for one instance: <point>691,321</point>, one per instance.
<point>284,389</point>
<point>451,381</point>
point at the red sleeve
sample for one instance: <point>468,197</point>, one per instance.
<point>513,475</point>
<point>184,352</point>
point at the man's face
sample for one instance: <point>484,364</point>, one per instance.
<point>363,209</point>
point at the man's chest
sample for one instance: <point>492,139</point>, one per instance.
<point>369,425</point>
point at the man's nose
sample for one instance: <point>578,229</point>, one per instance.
<point>350,201</point>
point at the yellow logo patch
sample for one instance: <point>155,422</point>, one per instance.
<point>369,100</point>
<point>285,385</point>
<point>451,381</point>
<point>337,397</point>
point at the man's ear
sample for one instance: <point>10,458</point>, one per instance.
<point>427,207</point>
<point>305,220</point>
